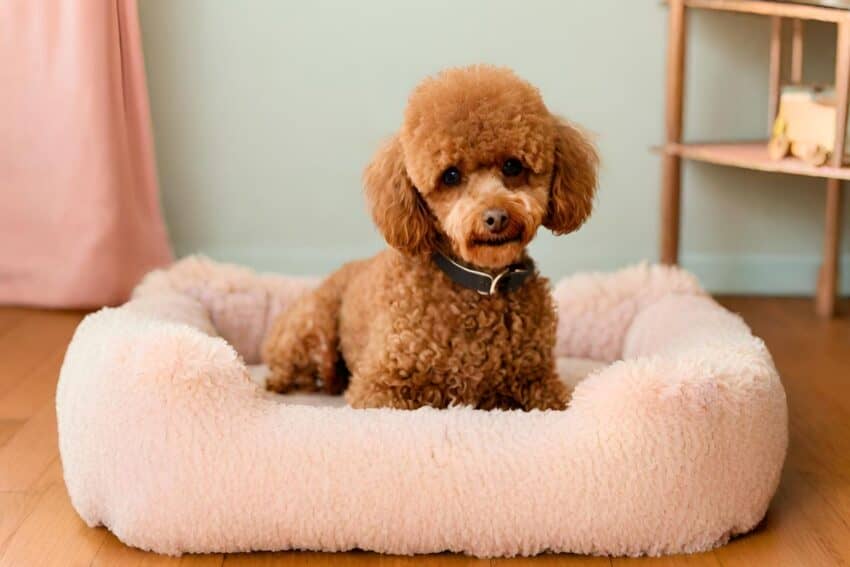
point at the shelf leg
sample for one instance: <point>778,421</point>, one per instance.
<point>829,273</point>
<point>797,52</point>
<point>828,281</point>
<point>671,167</point>
<point>775,71</point>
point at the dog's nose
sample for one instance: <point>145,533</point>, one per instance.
<point>495,219</point>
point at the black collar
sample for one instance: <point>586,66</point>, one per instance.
<point>509,279</point>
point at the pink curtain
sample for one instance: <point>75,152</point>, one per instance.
<point>80,220</point>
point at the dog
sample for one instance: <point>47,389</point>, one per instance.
<point>454,312</point>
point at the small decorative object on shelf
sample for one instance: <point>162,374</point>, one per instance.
<point>805,124</point>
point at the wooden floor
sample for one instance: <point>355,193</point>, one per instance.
<point>808,522</point>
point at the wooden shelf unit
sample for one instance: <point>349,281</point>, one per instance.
<point>753,155</point>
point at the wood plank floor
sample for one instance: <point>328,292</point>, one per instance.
<point>808,522</point>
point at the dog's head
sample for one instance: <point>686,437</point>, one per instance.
<point>478,165</point>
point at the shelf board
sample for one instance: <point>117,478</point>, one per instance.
<point>772,8</point>
<point>752,155</point>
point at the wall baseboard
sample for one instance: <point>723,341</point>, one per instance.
<point>748,274</point>
<point>762,274</point>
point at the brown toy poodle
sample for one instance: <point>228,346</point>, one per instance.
<point>454,312</point>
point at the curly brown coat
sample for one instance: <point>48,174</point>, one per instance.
<point>406,333</point>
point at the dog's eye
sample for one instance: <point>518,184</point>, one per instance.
<point>451,176</point>
<point>512,167</point>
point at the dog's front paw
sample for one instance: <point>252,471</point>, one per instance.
<point>286,378</point>
<point>551,394</point>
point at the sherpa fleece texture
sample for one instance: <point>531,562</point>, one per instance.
<point>674,446</point>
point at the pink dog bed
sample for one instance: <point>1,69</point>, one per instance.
<point>674,445</point>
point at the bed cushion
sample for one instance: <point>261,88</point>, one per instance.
<point>674,444</point>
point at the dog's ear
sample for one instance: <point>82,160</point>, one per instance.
<point>573,179</point>
<point>396,206</point>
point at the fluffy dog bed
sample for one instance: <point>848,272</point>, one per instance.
<point>674,446</point>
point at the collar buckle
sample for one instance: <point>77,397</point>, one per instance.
<point>494,283</point>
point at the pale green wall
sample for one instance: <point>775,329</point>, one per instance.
<point>265,113</point>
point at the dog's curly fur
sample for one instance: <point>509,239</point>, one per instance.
<point>409,335</point>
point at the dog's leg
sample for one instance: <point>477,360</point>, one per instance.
<point>549,393</point>
<point>363,394</point>
<point>536,393</point>
<point>374,385</point>
<point>302,347</point>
